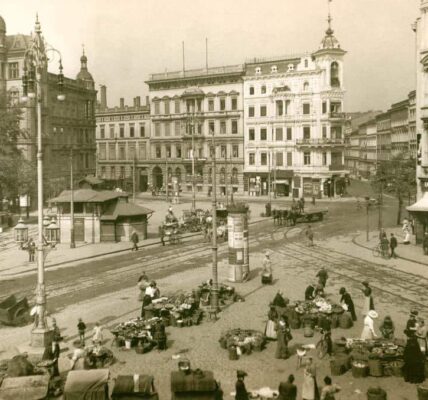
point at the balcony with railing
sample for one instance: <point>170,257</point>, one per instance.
<point>337,167</point>
<point>337,115</point>
<point>320,142</point>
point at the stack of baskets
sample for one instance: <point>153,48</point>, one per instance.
<point>376,393</point>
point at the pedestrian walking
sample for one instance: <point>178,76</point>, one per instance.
<point>347,300</point>
<point>31,250</point>
<point>287,390</point>
<point>393,245</point>
<point>329,390</point>
<point>368,298</point>
<point>322,276</point>
<point>425,243</point>
<point>81,328</point>
<point>310,235</point>
<point>162,235</point>
<point>134,240</point>
<point>310,387</point>
<point>240,389</point>
<point>97,336</point>
<point>384,245</point>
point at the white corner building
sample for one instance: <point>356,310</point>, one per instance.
<point>294,123</point>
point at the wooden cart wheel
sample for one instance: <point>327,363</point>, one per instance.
<point>21,316</point>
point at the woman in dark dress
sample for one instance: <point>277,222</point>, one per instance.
<point>147,300</point>
<point>368,298</point>
<point>346,299</point>
<point>414,362</point>
<point>160,335</point>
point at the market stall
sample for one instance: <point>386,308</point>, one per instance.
<point>194,384</point>
<point>242,341</point>
<point>131,387</point>
<point>91,384</point>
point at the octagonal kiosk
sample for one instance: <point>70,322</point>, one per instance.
<point>238,237</point>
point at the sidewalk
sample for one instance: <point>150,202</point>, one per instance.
<point>410,252</point>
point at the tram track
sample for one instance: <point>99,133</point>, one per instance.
<point>395,289</point>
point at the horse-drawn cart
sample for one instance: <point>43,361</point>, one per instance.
<point>13,311</point>
<point>289,216</point>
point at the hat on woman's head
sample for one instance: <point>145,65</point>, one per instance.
<point>414,313</point>
<point>365,283</point>
<point>241,374</point>
<point>342,290</point>
<point>372,314</point>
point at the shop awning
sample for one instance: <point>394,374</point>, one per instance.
<point>421,205</point>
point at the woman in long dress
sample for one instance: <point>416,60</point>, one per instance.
<point>310,388</point>
<point>368,332</point>
<point>368,298</point>
<point>283,337</point>
<point>270,329</point>
<point>414,362</point>
<point>421,335</point>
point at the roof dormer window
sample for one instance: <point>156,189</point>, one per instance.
<point>258,71</point>
<point>290,67</point>
<point>274,69</point>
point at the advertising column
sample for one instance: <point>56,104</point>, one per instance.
<point>239,256</point>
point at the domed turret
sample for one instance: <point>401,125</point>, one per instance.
<point>329,41</point>
<point>84,75</point>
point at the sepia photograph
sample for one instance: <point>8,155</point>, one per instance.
<point>214,200</point>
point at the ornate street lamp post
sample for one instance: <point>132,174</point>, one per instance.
<point>214,297</point>
<point>35,68</point>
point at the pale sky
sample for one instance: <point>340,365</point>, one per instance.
<point>126,40</point>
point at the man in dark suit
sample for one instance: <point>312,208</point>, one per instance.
<point>392,245</point>
<point>287,390</point>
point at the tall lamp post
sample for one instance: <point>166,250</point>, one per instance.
<point>214,297</point>
<point>72,242</point>
<point>35,66</point>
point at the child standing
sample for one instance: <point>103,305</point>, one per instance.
<point>81,327</point>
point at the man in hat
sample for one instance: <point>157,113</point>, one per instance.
<point>410,330</point>
<point>241,390</point>
<point>393,245</point>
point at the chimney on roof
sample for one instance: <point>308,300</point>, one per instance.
<point>122,102</point>
<point>103,97</point>
<point>147,101</point>
<point>137,102</point>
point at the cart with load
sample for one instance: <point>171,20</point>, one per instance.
<point>14,311</point>
<point>197,385</point>
<point>131,387</point>
<point>170,230</point>
<point>34,387</point>
<point>88,384</point>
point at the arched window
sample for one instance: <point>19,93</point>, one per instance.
<point>263,89</point>
<point>222,175</point>
<point>234,176</point>
<point>178,174</point>
<point>306,87</point>
<point>334,74</point>
<point>210,175</point>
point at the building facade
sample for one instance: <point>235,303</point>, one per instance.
<point>294,123</point>
<point>188,110</point>
<point>123,143</point>
<point>68,126</point>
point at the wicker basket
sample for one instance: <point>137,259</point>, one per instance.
<point>376,394</point>
<point>375,367</point>
<point>345,321</point>
<point>359,370</point>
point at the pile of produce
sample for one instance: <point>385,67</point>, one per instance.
<point>134,329</point>
<point>247,340</point>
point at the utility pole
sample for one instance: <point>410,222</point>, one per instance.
<point>72,242</point>
<point>134,179</point>
<point>166,179</point>
<point>192,131</point>
<point>214,292</point>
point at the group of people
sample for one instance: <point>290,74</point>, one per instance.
<point>388,246</point>
<point>287,390</point>
<point>148,291</point>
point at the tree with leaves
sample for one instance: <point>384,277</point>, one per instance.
<point>396,176</point>
<point>17,175</point>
